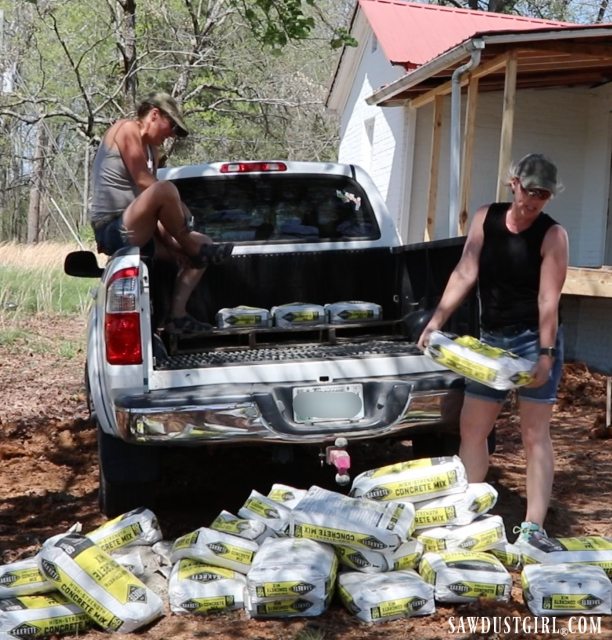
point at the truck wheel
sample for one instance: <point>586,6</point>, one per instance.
<point>443,444</point>
<point>128,475</point>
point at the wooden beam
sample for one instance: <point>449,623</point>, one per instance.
<point>434,167</point>
<point>444,89</point>
<point>505,145</point>
<point>602,51</point>
<point>468,155</point>
<point>588,282</point>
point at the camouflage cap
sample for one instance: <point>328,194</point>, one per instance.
<point>536,171</point>
<point>166,103</point>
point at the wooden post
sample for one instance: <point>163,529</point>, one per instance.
<point>505,146</point>
<point>434,172</point>
<point>468,155</point>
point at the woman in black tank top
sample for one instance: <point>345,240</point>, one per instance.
<point>517,256</point>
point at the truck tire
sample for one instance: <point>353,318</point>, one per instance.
<point>443,444</point>
<point>128,475</point>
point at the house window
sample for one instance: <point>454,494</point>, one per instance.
<point>374,44</point>
<point>368,145</point>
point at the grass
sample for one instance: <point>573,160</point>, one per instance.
<point>32,281</point>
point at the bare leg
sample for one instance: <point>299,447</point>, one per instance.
<point>161,202</point>
<point>477,420</point>
<point>186,281</point>
<point>535,430</point>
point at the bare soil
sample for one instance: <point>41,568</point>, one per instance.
<point>48,481</point>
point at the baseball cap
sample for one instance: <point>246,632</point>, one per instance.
<point>536,171</point>
<point>166,103</point>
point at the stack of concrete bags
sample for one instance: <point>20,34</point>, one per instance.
<point>451,524</point>
<point>74,582</point>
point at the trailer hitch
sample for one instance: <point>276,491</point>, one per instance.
<point>337,456</point>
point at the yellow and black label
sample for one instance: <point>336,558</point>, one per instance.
<point>400,606</point>
<point>435,516</point>
<point>208,605</point>
<point>347,600</point>
<point>55,625</point>
<point>400,467</point>
<point>21,578</point>
<point>231,552</point>
<point>466,367</point>
<point>409,561</point>
<point>432,544</point>
<point>286,606</point>
<point>118,539</point>
<point>235,526</point>
<point>338,536</point>
<point>197,571</point>
<point>281,589</point>
<point>469,589</point>
<point>410,487</point>
<point>571,602</point>
<point>79,596</point>
<point>483,503</point>
<point>186,541</point>
<point>261,508</point>
<point>483,540</point>
<point>586,543</point>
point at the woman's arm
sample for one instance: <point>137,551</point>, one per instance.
<point>462,279</point>
<point>555,250</point>
<point>129,143</point>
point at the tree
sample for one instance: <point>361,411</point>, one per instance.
<point>83,71</point>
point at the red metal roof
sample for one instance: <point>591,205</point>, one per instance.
<point>412,34</point>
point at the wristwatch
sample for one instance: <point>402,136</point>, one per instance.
<point>548,351</point>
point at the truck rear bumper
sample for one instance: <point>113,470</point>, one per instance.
<point>258,413</point>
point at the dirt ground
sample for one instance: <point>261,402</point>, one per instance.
<point>48,481</point>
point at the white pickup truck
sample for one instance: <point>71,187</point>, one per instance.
<point>317,234</point>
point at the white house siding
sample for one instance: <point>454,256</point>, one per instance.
<point>372,137</point>
<point>570,126</point>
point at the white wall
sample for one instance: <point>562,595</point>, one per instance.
<point>571,126</point>
<point>372,137</point>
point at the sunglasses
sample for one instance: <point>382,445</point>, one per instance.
<point>539,194</point>
<point>173,126</point>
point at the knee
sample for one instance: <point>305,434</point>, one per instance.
<point>536,437</point>
<point>165,191</point>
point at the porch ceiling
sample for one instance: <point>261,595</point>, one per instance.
<point>565,63</point>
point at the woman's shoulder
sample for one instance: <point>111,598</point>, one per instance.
<point>121,131</point>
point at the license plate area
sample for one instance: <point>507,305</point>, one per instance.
<point>328,403</point>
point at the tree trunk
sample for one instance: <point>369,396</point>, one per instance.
<point>36,184</point>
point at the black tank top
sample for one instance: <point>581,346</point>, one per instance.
<point>509,270</point>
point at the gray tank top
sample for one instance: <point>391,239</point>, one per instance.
<point>112,188</point>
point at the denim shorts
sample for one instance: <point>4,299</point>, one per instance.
<point>113,236</point>
<point>525,344</point>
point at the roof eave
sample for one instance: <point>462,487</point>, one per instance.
<point>385,95</point>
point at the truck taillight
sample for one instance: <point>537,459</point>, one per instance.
<point>122,318</point>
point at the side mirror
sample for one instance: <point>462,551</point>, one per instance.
<point>82,264</point>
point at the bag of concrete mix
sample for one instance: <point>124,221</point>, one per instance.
<point>23,577</point>
<point>243,317</point>
<point>412,481</point>
<point>508,554</point>
<point>270,512</point>
<point>386,596</point>
<point>456,508</point>
<point>352,311</point>
<point>480,535</point>
<point>478,361</point>
<point>286,495</point>
<point>298,314</point>
<point>289,573</point>
<point>136,527</point>
<point>215,547</point>
<point>89,577</point>
<point>466,576</point>
<point>336,519</point>
<point>406,556</point>
<point>247,528</point>
<point>566,589</point>
<point>38,616</point>
<point>595,550</point>
<point>195,587</point>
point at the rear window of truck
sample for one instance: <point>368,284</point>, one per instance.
<point>281,208</point>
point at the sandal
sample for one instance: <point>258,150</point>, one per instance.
<point>212,254</point>
<point>187,325</point>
